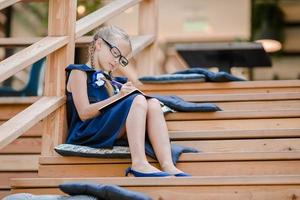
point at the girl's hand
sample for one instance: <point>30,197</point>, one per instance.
<point>127,88</point>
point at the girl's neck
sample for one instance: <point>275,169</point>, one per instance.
<point>96,67</point>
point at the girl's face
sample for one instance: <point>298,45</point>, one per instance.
<point>105,58</point>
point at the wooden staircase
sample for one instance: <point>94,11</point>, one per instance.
<point>250,150</point>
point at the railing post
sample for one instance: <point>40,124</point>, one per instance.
<point>148,24</point>
<point>61,22</point>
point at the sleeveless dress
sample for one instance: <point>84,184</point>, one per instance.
<point>100,131</point>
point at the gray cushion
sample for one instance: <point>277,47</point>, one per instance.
<point>107,192</point>
<point>84,151</point>
<point>173,78</point>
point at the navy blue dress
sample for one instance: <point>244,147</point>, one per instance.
<point>102,130</point>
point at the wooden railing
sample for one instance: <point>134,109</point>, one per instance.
<point>58,46</point>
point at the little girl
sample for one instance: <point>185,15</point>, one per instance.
<point>89,89</point>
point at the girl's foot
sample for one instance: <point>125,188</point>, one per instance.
<point>144,168</point>
<point>171,169</point>
<point>135,173</point>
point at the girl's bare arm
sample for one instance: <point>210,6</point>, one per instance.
<point>78,87</point>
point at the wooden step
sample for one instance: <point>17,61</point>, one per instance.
<point>241,97</point>
<point>225,91</point>
<point>254,114</point>
<point>233,187</point>
<point>223,88</point>
<point>243,110</point>
<point>234,134</point>
<point>35,131</point>
<point>17,162</point>
<point>226,157</point>
<point>33,145</point>
<point>216,126</point>
<point>221,85</point>
<point>242,124</point>
<point>8,111</point>
<point>25,145</point>
<point>11,106</point>
<point>207,164</point>
<point>6,176</point>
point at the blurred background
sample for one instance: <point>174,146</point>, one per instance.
<point>183,22</point>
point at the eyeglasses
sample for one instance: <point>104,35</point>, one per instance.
<point>117,54</point>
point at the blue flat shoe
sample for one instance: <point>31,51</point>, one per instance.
<point>182,174</point>
<point>140,174</point>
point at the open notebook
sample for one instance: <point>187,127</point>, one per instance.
<point>122,97</point>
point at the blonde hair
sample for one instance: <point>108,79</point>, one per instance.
<point>110,34</point>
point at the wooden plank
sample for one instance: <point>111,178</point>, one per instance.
<point>146,61</point>
<point>18,100</point>
<point>35,131</point>
<point>256,114</point>
<point>186,157</point>
<point>12,42</point>
<point>83,41</point>
<point>255,110</point>
<point>19,162</point>
<point>6,176</point>
<point>241,97</point>
<point>26,119</point>
<point>286,192</point>
<point>95,19</point>
<point>260,105</point>
<point>8,111</point>
<point>23,146</point>
<point>195,168</point>
<point>234,134</point>
<point>237,192</point>
<point>55,126</point>
<point>146,181</point>
<point>29,55</point>
<point>7,3</point>
<point>221,85</point>
<point>225,91</point>
<point>243,124</point>
<point>268,132</point>
<point>246,145</point>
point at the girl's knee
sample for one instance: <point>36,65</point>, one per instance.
<point>153,104</point>
<point>140,101</point>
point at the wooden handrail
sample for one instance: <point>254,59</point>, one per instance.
<point>18,41</point>
<point>7,3</point>
<point>24,120</point>
<point>138,42</point>
<point>95,19</point>
<point>45,46</point>
<point>29,55</point>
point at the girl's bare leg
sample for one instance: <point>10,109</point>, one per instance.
<point>159,136</point>
<point>135,129</point>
